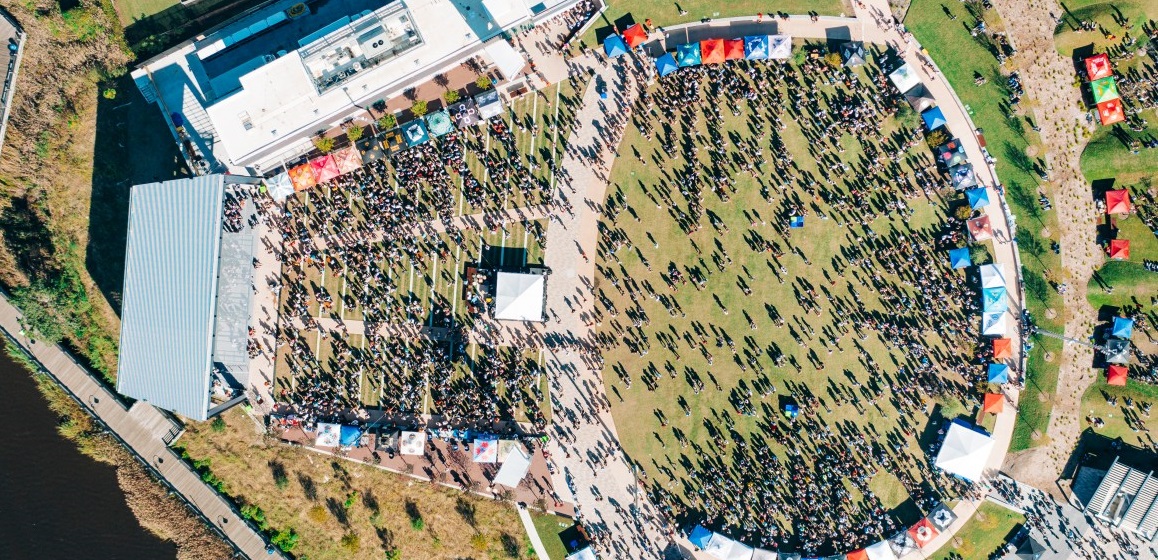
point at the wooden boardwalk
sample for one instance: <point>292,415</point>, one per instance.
<point>145,431</point>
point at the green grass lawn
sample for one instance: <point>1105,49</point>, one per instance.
<point>132,10</point>
<point>1120,421</point>
<point>1109,156</point>
<point>663,12</point>
<point>982,535</point>
<point>1107,15</point>
<point>960,56</point>
<point>549,528</point>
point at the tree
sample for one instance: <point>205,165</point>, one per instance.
<point>285,539</point>
<point>963,212</point>
<point>833,59</point>
<point>483,82</point>
<point>387,121</point>
<point>450,96</point>
<point>419,108</point>
<point>979,254</point>
<point>354,132</point>
<point>218,424</point>
<point>109,93</point>
<point>937,137</point>
<point>324,144</point>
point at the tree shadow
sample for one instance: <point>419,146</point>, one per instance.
<point>466,509</point>
<point>338,510</point>
<point>308,487</point>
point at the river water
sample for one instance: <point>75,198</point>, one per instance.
<point>55,502</point>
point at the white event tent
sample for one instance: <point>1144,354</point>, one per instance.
<point>964,452</point>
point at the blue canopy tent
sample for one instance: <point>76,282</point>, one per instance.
<point>978,198</point>
<point>1123,328</point>
<point>700,536</point>
<point>993,300</point>
<point>756,47</point>
<point>614,46</point>
<point>998,373</point>
<point>666,64</point>
<point>791,410</point>
<point>415,132</point>
<point>934,118</point>
<point>959,258</point>
<point>688,54</point>
<point>349,435</point>
<point>796,222</point>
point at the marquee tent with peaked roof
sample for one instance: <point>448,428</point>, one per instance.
<point>724,548</point>
<point>994,403</point>
<point>964,452</point>
<point>412,443</point>
<point>1117,375</point>
<point>998,373</point>
<point>634,36</point>
<point>1123,328</point>
<point>1105,89</point>
<point>464,113</point>
<point>857,555</point>
<point>349,436</point>
<point>1120,249</point>
<point>963,176</point>
<point>439,123</point>
<point>941,517</point>
<point>1002,348</point>
<point>852,52</point>
<point>790,556</point>
<point>761,554</point>
<point>584,554</point>
<point>959,258</point>
<point>920,99</point>
<point>485,450</point>
<point>281,186</point>
<point>700,536</point>
<point>325,168</point>
<point>712,51</point>
<point>302,177</point>
<point>992,275</point>
<point>688,54</point>
<point>393,141</point>
<point>415,133</point>
<point>902,543</point>
<point>756,47</point>
<point>978,198</point>
<point>993,300</point>
<point>734,49</point>
<point>1098,67</point>
<point>779,47</point>
<point>951,153</point>
<point>994,324</point>
<point>980,228</point>
<point>1118,202</point>
<point>328,435</point>
<point>666,64</point>
<point>1117,351</point>
<point>614,46</point>
<point>880,551</point>
<point>933,118</point>
<point>1030,550</point>
<point>923,532</point>
<point>1111,112</point>
<point>348,160</point>
<point>489,104</point>
<point>516,463</point>
<point>905,78</point>
<point>519,297</point>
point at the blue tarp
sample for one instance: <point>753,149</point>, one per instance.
<point>688,54</point>
<point>700,536</point>
<point>415,132</point>
<point>796,222</point>
<point>959,258</point>
<point>978,198</point>
<point>614,46</point>
<point>1123,328</point>
<point>998,373</point>
<point>666,64</point>
<point>756,47</point>
<point>791,410</point>
<point>933,118</point>
<point>993,300</point>
<point>349,436</point>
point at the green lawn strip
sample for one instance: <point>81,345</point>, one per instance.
<point>1131,282</point>
<point>960,56</point>
<point>1036,402</point>
<point>549,528</point>
<point>1110,156</point>
<point>663,13</point>
<point>1069,36</point>
<point>1095,405</point>
<point>986,532</point>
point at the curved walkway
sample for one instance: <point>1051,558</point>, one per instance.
<point>604,496</point>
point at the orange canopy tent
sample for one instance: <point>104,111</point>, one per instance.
<point>1111,112</point>
<point>1098,67</point>
<point>712,51</point>
<point>857,555</point>
<point>1002,348</point>
<point>734,49</point>
<point>923,532</point>
<point>302,177</point>
<point>1120,249</point>
<point>634,36</point>
<point>994,403</point>
<point>1116,375</point>
<point>1118,202</point>
<point>325,168</point>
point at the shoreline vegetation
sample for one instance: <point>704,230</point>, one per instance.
<point>154,508</point>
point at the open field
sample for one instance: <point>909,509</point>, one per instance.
<point>325,500</point>
<point>1132,424</point>
<point>713,329</point>
<point>1008,136</point>
<point>550,529</point>
<point>1110,154</point>
<point>1112,19</point>
<point>984,533</point>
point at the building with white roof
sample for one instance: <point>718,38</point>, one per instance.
<point>250,94</point>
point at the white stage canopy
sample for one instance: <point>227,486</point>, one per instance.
<point>992,276</point>
<point>412,443</point>
<point>905,78</point>
<point>585,554</point>
<point>327,435</point>
<point>964,452</point>
<point>880,551</point>
<point>779,47</point>
<point>509,61</point>
<point>995,324</point>
<point>516,463</point>
<point>519,297</point>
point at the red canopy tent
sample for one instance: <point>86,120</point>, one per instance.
<point>923,532</point>
<point>1116,375</point>
<point>325,168</point>
<point>1120,249</point>
<point>1111,112</point>
<point>1002,348</point>
<point>634,36</point>
<point>1098,67</point>
<point>1118,202</point>
<point>980,228</point>
<point>302,177</point>
<point>734,49</point>
<point>994,403</point>
<point>857,555</point>
<point>712,51</point>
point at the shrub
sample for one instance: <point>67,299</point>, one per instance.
<point>324,144</point>
<point>937,137</point>
<point>417,523</point>
<point>451,96</point>
<point>387,122</point>
<point>354,132</point>
<point>351,541</point>
<point>419,108</point>
<point>317,514</point>
<point>963,212</point>
<point>349,503</point>
<point>833,59</point>
<point>285,539</point>
<point>218,424</point>
<point>393,554</point>
<point>483,82</point>
<point>109,93</point>
<point>479,542</point>
<point>281,481</point>
<point>255,514</point>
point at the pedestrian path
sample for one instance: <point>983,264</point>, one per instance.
<point>536,542</point>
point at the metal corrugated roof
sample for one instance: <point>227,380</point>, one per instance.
<point>171,260</point>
